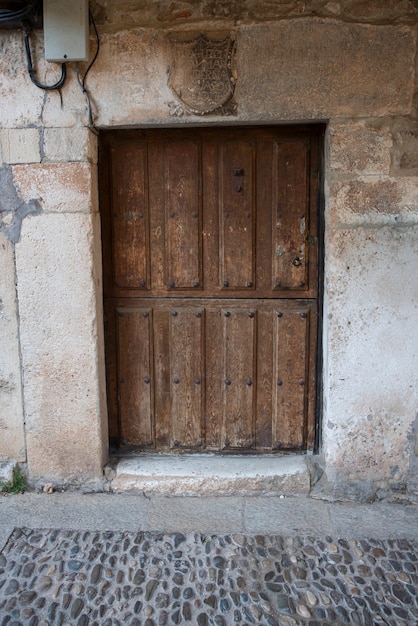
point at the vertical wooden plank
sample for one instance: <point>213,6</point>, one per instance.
<point>239,377</point>
<point>135,376</point>
<point>157,214</point>
<point>214,379</point>
<point>290,378</point>
<point>310,391</point>
<point>237,204</point>
<point>210,234</point>
<point>183,214</point>
<point>186,325</point>
<point>264,168</point>
<point>290,226</point>
<point>264,388</point>
<point>162,400</point>
<point>130,215</point>
<point>111,370</point>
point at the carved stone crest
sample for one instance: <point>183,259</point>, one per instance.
<point>201,74</point>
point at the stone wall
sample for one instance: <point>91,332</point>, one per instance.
<point>351,64</point>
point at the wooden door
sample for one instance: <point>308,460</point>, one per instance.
<point>210,245</point>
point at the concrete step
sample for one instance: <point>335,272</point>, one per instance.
<point>211,475</point>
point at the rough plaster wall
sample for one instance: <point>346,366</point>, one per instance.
<point>371,306</point>
<point>350,62</point>
<point>58,264</point>
<point>11,411</point>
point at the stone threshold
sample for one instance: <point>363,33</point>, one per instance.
<point>195,475</point>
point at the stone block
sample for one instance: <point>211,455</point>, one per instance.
<point>59,187</point>
<point>61,329</point>
<point>21,101</point>
<point>19,145</point>
<point>138,63</point>
<point>211,475</point>
<point>405,149</point>
<point>371,357</point>
<point>317,69</point>
<point>360,147</point>
<point>373,200</point>
<point>69,144</point>
<point>23,145</point>
<point>12,440</point>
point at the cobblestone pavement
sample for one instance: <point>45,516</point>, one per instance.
<point>60,577</point>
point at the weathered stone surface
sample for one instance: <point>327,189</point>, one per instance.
<point>211,475</point>
<point>374,200</point>
<point>113,15</point>
<point>360,147</point>
<point>18,108</point>
<point>314,69</point>
<point>62,347</point>
<point>369,383</point>
<point>138,62</point>
<point>12,443</point>
<point>302,61</point>
<point>405,153</point>
<point>60,187</point>
<point>69,144</point>
<point>19,145</point>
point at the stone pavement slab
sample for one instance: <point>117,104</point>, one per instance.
<point>208,514</point>
<point>286,515</point>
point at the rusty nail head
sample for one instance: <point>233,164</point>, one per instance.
<point>249,382</point>
<point>227,314</point>
<point>147,380</point>
<point>301,284</point>
<point>174,313</point>
<point>197,381</point>
<point>171,283</point>
<point>279,382</point>
<point>176,380</point>
<point>279,314</point>
<point>227,381</point>
<point>198,314</point>
<point>142,283</point>
<point>303,315</point>
<point>146,314</point>
<point>226,283</point>
<point>176,442</point>
<point>301,381</point>
<point>195,283</point>
<point>249,283</point>
<point>251,314</point>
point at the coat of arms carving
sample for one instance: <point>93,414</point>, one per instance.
<point>201,75</point>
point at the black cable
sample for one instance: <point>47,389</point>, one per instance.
<point>82,81</point>
<point>59,83</point>
<point>7,15</point>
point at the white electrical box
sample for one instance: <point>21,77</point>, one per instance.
<point>66,30</point>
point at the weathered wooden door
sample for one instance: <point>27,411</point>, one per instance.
<point>210,242</point>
